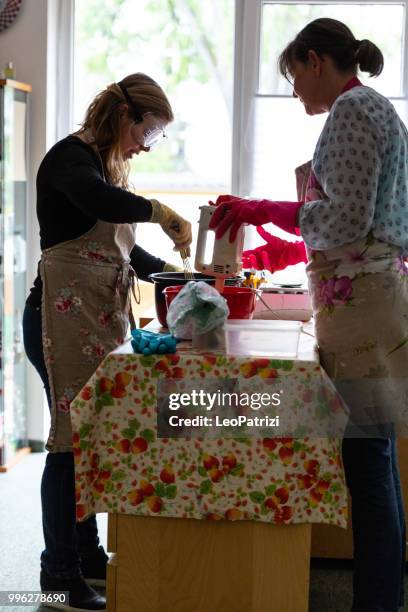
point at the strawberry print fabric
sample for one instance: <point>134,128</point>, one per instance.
<point>123,467</point>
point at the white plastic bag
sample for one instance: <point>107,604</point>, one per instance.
<point>197,309</point>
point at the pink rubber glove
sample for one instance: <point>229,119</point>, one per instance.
<point>225,198</point>
<point>275,255</point>
<point>233,212</point>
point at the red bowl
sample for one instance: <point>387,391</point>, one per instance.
<point>167,279</point>
<point>240,300</point>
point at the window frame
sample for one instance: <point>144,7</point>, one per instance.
<point>60,61</point>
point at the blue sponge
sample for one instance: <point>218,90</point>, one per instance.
<point>150,343</point>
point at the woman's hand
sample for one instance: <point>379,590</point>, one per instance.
<point>232,212</point>
<point>177,228</point>
<point>275,255</point>
<point>169,267</point>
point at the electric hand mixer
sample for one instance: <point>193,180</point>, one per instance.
<point>220,258</point>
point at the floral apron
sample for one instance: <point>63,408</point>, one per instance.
<point>85,313</point>
<point>359,294</point>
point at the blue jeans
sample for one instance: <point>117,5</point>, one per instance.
<point>65,539</point>
<point>372,475</point>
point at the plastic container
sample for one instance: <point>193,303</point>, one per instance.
<point>293,304</point>
<point>240,300</point>
<point>162,280</point>
<point>262,338</point>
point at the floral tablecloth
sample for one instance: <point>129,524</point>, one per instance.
<point>122,466</point>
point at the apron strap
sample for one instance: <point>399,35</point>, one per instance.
<point>132,276</point>
<point>126,281</point>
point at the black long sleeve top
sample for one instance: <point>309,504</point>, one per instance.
<point>72,195</point>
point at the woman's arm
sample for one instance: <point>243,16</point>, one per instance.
<point>347,164</point>
<point>74,171</point>
<point>144,263</point>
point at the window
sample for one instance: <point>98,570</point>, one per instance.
<point>237,127</point>
<point>281,118</point>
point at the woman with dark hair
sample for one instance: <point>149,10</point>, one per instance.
<point>78,310</point>
<point>352,214</point>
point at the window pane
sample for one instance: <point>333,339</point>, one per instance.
<point>285,137</point>
<point>281,23</point>
<point>187,47</point>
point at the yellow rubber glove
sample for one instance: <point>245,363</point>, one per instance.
<point>168,267</point>
<point>177,228</point>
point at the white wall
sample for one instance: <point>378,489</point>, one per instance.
<point>25,44</point>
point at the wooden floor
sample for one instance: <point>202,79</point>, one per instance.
<point>5,467</point>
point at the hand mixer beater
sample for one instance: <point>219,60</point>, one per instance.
<point>185,257</point>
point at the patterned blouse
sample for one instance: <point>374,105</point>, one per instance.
<point>361,163</point>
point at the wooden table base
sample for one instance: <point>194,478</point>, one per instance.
<point>188,565</point>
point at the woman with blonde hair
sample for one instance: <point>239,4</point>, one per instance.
<point>78,309</point>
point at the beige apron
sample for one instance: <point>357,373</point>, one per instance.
<point>85,313</point>
<point>359,294</point>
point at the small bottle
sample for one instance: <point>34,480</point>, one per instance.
<point>9,71</point>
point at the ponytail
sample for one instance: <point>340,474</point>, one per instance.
<point>333,38</point>
<point>369,57</point>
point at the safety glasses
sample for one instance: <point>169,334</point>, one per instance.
<point>153,135</point>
